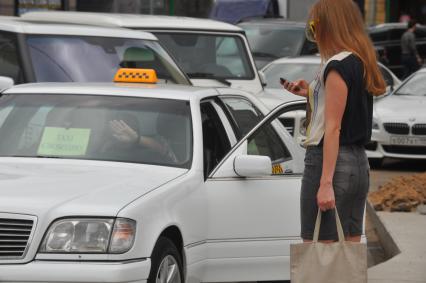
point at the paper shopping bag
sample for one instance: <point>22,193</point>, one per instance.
<point>338,262</point>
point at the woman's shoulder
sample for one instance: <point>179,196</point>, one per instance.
<point>346,63</point>
<point>345,57</point>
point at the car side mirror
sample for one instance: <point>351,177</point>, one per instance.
<point>262,78</point>
<point>252,165</point>
<point>6,82</point>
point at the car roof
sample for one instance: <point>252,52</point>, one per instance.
<point>178,92</point>
<point>131,21</point>
<point>17,25</point>
<point>274,22</point>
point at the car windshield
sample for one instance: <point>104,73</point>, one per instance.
<point>206,56</point>
<point>273,42</point>
<point>124,129</point>
<point>97,59</point>
<point>414,86</point>
<point>289,71</point>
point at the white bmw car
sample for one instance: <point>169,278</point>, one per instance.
<point>145,183</point>
<point>399,126</point>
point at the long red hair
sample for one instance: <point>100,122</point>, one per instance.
<point>339,27</point>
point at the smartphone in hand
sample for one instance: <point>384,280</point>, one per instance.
<point>282,81</point>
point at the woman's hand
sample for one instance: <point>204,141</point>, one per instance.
<point>325,197</point>
<point>122,132</point>
<point>299,87</point>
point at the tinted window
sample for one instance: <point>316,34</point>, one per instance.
<point>379,35</point>
<point>215,139</point>
<point>9,59</point>
<point>396,34</point>
<point>244,114</point>
<point>137,130</point>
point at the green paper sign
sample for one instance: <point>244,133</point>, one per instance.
<point>64,142</point>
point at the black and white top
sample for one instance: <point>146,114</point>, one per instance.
<point>358,115</point>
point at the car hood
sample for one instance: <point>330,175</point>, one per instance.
<point>400,107</point>
<point>274,97</point>
<point>75,187</point>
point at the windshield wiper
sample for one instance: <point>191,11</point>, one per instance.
<point>208,76</point>
<point>264,54</point>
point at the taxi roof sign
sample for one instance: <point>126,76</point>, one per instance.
<point>128,75</point>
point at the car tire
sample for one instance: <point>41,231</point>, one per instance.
<point>375,162</point>
<point>166,260</point>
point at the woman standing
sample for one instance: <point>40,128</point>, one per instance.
<point>341,103</point>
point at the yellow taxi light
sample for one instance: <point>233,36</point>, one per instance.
<point>127,75</point>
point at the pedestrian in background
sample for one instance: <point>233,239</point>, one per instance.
<point>410,57</point>
<point>341,100</point>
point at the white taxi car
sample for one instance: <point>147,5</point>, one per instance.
<point>36,52</point>
<point>145,183</point>
<point>399,122</point>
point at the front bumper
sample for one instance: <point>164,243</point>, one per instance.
<point>135,271</point>
<point>381,147</point>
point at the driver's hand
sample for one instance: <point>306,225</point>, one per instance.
<point>122,132</point>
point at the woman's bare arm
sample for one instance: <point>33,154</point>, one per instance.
<point>335,103</point>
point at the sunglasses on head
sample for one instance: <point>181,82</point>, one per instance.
<point>310,31</point>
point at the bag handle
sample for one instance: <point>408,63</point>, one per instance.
<point>338,224</point>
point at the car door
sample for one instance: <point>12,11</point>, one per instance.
<point>253,220</point>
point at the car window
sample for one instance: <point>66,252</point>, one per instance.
<point>266,141</point>
<point>244,114</point>
<point>97,59</point>
<point>379,35</point>
<point>420,33</point>
<point>386,76</point>
<point>209,56</point>
<point>289,71</point>
<point>216,143</point>
<point>109,128</point>
<point>274,41</point>
<point>396,34</point>
<point>9,58</point>
<point>414,85</point>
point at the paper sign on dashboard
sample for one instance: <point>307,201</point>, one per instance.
<point>64,142</point>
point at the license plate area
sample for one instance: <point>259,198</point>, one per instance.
<point>409,141</point>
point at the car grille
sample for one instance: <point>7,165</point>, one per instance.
<point>401,149</point>
<point>419,129</point>
<point>397,128</point>
<point>288,124</point>
<point>14,237</point>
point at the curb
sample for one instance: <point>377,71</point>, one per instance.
<point>390,248</point>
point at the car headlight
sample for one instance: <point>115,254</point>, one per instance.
<point>375,124</point>
<point>89,235</point>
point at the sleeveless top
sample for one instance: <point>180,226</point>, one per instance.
<point>357,118</point>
